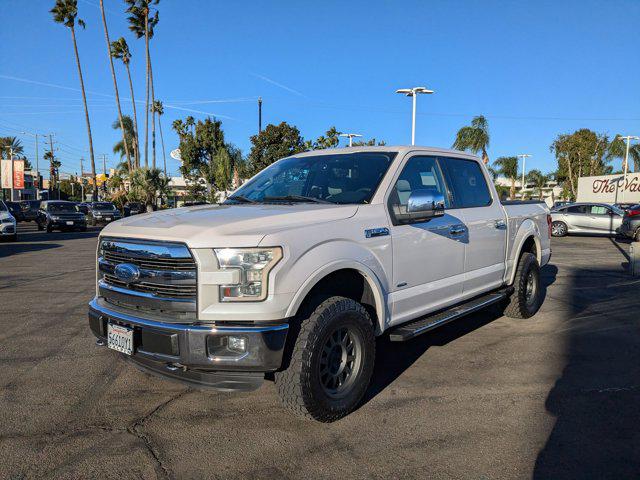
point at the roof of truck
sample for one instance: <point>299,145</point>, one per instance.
<point>389,148</point>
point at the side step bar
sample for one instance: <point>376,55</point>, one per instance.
<point>422,325</point>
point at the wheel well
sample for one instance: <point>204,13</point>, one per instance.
<point>529,246</point>
<point>347,283</point>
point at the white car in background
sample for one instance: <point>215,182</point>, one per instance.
<point>8,227</point>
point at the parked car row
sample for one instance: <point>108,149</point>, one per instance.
<point>596,218</point>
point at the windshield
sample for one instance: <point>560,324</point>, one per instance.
<point>338,178</point>
<point>104,206</point>
<point>617,210</point>
<point>62,208</point>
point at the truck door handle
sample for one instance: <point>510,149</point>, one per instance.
<point>457,230</point>
<point>500,224</point>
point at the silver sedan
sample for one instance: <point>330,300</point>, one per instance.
<point>592,218</point>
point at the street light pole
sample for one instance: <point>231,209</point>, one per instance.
<point>37,164</point>
<point>628,138</point>
<point>351,136</point>
<point>413,92</point>
<point>524,166</point>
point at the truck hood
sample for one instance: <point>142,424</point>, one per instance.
<point>209,226</point>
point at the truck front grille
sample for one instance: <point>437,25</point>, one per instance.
<point>143,275</point>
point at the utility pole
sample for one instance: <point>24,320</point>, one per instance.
<point>259,115</point>
<point>38,186</point>
<point>524,167</point>
<point>104,171</point>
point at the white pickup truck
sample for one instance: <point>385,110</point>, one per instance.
<point>293,277</point>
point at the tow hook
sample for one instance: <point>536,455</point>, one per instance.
<point>101,342</point>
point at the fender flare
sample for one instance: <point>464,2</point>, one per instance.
<point>370,277</point>
<point>528,228</point>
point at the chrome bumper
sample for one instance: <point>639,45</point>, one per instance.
<point>196,353</point>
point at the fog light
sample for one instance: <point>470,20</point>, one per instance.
<point>237,344</point>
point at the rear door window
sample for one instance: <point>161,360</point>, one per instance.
<point>577,209</point>
<point>468,184</point>
<point>599,210</point>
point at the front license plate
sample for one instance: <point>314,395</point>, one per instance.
<point>108,219</point>
<point>69,223</point>
<point>120,338</point>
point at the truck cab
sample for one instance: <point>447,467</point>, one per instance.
<point>298,271</point>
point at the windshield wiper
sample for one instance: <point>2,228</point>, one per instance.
<point>295,198</point>
<point>241,199</point>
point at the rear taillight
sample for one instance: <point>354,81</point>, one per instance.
<point>549,222</point>
<point>633,213</point>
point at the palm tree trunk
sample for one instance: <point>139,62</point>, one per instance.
<point>164,156</point>
<point>115,84</point>
<point>86,114</point>
<point>146,113</point>
<point>485,157</point>
<point>153,117</point>
<point>512,191</point>
<point>136,145</point>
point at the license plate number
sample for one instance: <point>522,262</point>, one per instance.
<point>120,338</point>
<point>69,223</point>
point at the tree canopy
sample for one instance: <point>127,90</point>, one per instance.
<point>272,144</point>
<point>474,138</point>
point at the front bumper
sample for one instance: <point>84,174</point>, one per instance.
<point>196,353</point>
<point>7,229</point>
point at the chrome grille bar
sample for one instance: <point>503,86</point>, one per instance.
<point>162,276</point>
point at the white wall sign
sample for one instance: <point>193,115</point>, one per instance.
<point>610,189</point>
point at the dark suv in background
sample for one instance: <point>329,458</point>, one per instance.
<point>15,210</point>
<point>133,208</point>
<point>102,213</point>
<point>29,210</point>
<point>60,215</point>
<point>631,223</point>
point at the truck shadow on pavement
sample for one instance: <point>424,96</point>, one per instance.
<point>393,358</point>
<point>596,400</point>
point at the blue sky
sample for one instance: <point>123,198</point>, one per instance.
<point>535,69</point>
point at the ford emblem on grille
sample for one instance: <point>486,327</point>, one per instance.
<point>127,272</point>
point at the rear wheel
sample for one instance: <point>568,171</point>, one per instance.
<point>559,229</point>
<point>526,298</point>
<point>331,362</point>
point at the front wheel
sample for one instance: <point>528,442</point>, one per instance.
<point>559,229</point>
<point>526,298</point>
<point>331,362</point>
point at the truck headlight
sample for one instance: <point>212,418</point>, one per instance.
<point>254,265</point>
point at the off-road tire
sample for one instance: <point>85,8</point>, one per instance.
<point>300,385</point>
<point>561,229</point>
<point>521,305</point>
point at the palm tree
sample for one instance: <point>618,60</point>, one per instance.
<point>54,166</point>
<point>115,82</point>
<point>617,149</point>
<point>141,23</point>
<point>539,181</point>
<point>128,136</point>
<point>66,13</point>
<point>149,183</point>
<point>159,109</point>
<point>120,50</point>
<point>508,167</point>
<point>474,138</point>
<point>8,144</point>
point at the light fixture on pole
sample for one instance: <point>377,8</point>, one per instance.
<point>351,136</point>
<point>524,166</point>
<point>413,92</point>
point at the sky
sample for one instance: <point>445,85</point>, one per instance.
<point>534,69</point>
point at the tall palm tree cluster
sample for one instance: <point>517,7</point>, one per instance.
<point>142,16</point>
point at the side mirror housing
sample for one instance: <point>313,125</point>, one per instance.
<point>423,205</point>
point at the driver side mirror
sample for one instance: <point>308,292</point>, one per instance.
<point>422,205</point>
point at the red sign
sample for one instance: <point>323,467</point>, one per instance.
<point>18,174</point>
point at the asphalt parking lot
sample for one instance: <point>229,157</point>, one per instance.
<point>555,396</point>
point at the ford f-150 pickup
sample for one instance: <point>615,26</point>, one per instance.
<point>293,277</point>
